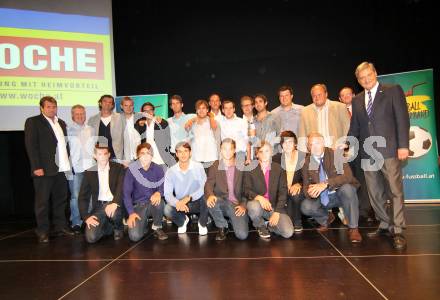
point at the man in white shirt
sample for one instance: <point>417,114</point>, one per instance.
<point>177,122</point>
<point>131,137</point>
<point>215,104</point>
<point>81,142</point>
<point>46,147</point>
<point>236,129</point>
<point>103,183</point>
<point>155,131</point>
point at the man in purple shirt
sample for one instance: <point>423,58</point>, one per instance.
<point>224,191</point>
<point>143,192</point>
<point>265,188</point>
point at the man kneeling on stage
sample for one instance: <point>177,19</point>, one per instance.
<point>326,186</point>
<point>103,183</point>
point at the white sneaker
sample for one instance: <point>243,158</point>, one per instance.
<point>203,230</point>
<point>342,216</point>
<point>182,229</point>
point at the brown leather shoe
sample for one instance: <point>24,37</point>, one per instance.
<point>399,242</point>
<point>330,219</point>
<point>354,235</point>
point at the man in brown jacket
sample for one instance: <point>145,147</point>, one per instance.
<point>328,182</point>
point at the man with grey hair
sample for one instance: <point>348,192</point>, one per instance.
<point>81,142</point>
<point>380,112</point>
<point>328,182</point>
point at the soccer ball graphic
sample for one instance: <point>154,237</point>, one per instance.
<point>420,141</point>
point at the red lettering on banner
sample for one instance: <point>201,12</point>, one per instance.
<point>35,57</point>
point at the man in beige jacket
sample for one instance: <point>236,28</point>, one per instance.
<point>329,118</point>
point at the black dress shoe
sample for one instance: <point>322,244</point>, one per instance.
<point>221,234</point>
<point>63,232</point>
<point>118,234</point>
<point>43,238</point>
<point>379,232</point>
<point>399,242</point>
<point>77,229</point>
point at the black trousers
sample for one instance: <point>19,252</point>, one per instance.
<point>50,196</point>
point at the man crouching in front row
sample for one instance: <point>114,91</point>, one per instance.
<point>103,183</point>
<point>325,187</point>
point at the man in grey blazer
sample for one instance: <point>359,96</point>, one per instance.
<point>224,193</point>
<point>380,112</point>
<point>108,126</point>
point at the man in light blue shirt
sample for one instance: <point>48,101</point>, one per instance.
<point>81,142</point>
<point>288,113</point>
<point>177,122</point>
<point>184,190</point>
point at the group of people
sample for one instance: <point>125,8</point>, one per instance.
<point>270,167</point>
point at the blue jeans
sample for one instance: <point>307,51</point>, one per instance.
<point>225,208</point>
<point>145,210</point>
<point>195,207</point>
<point>74,186</point>
<point>345,197</point>
<point>106,225</point>
<point>258,215</point>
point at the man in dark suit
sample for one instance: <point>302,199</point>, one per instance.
<point>49,158</point>
<point>380,113</point>
<point>103,183</point>
<point>224,193</point>
<point>265,188</point>
<point>328,182</point>
<point>155,131</point>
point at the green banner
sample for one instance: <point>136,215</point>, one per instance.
<point>160,101</point>
<point>421,171</point>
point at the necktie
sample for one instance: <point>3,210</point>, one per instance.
<point>349,112</point>
<point>370,104</point>
<point>322,178</point>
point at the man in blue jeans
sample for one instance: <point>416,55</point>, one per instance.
<point>265,188</point>
<point>328,182</point>
<point>224,193</point>
<point>143,192</point>
<point>183,189</point>
<point>81,142</point>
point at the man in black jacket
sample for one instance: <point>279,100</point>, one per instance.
<point>103,183</point>
<point>155,131</point>
<point>224,193</point>
<point>48,154</point>
<point>265,188</point>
